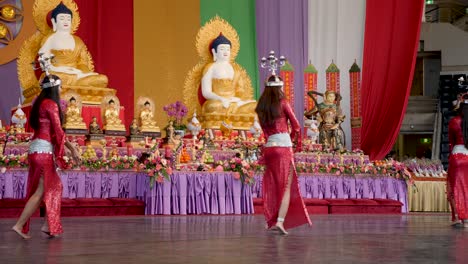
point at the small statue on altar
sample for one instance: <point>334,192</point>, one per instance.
<point>134,129</point>
<point>112,122</point>
<point>170,130</point>
<point>256,129</point>
<point>312,130</point>
<point>147,123</point>
<point>330,117</point>
<point>2,128</point>
<point>226,128</point>
<point>19,119</point>
<point>194,126</point>
<point>94,127</point>
<point>73,119</point>
<point>114,153</point>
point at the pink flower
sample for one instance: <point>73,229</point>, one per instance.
<point>160,179</point>
<point>337,172</point>
<point>3,170</point>
<point>158,167</point>
<point>236,175</point>
<point>169,170</point>
<point>150,173</point>
<point>233,166</point>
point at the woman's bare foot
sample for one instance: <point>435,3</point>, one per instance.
<point>20,233</point>
<point>280,227</point>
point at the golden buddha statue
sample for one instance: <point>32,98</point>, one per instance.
<point>72,61</point>
<point>224,85</point>
<point>330,117</point>
<point>146,116</point>
<point>111,114</point>
<point>73,119</point>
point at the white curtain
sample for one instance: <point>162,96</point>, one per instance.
<point>336,32</point>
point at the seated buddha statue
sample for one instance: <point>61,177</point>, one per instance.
<point>73,119</point>
<point>147,123</point>
<point>71,57</point>
<point>330,117</point>
<point>112,117</point>
<point>221,84</point>
<point>218,88</point>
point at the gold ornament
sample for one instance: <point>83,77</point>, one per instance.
<point>8,12</point>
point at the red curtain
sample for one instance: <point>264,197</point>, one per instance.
<point>391,39</point>
<point>107,29</point>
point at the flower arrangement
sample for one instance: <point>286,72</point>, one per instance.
<point>241,169</point>
<point>386,167</point>
<point>157,168</point>
<point>176,112</point>
<point>13,161</point>
<point>425,167</point>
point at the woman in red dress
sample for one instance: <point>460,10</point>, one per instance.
<point>457,178</point>
<point>282,202</point>
<point>46,151</point>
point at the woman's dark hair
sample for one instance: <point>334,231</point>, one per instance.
<point>269,105</point>
<point>52,93</point>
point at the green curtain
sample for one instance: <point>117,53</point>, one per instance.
<point>241,15</point>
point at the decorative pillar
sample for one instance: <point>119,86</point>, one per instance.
<point>310,84</point>
<point>355,97</point>
<point>333,77</point>
<point>287,74</point>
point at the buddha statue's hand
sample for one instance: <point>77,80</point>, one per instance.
<point>65,69</point>
<point>225,102</point>
<point>82,75</point>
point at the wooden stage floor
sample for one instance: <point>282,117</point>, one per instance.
<point>413,238</point>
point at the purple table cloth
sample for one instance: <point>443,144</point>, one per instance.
<point>343,187</point>
<point>186,192</point>
<point>195,192</point>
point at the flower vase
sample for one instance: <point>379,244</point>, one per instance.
<point>181,132</point>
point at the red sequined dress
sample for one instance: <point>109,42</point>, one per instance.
<point>46,149</point>
<point>457,176</point>
<point>278,157</point>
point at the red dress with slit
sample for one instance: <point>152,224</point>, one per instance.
<point>43,164</point>
<point>279,165</point>
<point>457,176</point>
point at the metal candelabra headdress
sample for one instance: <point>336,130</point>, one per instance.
<point>44,63</point>
<point>272,62</point>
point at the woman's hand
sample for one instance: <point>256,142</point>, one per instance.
<point>71,150</point>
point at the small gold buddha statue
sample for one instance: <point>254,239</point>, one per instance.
<point>147,123</point>
<point>112,120</point>
<point>73,119</point>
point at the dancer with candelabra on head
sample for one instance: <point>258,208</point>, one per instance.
<point>282,202</point>
<point>46,152</point>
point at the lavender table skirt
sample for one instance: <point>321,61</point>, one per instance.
<point>186,193</point>
<point>344,187</point>
<point>196,193</point>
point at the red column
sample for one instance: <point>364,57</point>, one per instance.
<point>355,97</point>
<point>310,84</point>
<point>333,77</point>
<point>287,74</point>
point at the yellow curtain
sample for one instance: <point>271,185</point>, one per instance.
<point>164,37</point>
